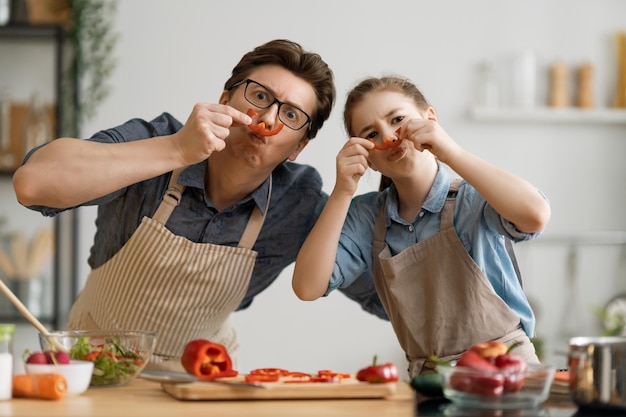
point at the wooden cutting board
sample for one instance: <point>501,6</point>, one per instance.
<point>347,388</point>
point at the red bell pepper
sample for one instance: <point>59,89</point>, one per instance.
<point>490,350</point>
<point>375,373</point>
<point>490,386</point>
<point>507,371</point>
<point>514,369</point>
<point>483,377</point>
<point>207,360</point>
<point>473,360</point>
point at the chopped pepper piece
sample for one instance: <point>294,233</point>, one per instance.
<point>257,378</point>
<point>260,128</point>
<point>207,360</point>
<point>269,371</point>
<point>389,143</point>
<point>375,373</point>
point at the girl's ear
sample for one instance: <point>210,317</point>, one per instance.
<point>431,114</point>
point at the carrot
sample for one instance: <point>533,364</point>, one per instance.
<point>42,386</point>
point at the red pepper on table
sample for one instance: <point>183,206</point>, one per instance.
<point>207,360</point>
<point>387,372</point>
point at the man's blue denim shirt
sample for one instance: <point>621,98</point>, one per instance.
<point>296,202</point>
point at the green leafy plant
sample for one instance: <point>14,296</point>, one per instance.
<point>615,324</point>
<point>85,84</point>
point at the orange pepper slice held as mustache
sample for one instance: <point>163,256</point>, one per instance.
<point>260,128</point>
<point>389,143</point>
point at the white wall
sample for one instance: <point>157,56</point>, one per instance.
<point>172,54</point>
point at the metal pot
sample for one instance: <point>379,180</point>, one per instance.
<point>597,367</point>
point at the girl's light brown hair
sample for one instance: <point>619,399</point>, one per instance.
<point>373,84</point>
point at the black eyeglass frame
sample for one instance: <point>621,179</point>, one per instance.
<point>247,82</point>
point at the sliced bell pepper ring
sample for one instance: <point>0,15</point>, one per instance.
<point>269,371</point>
<point>329,373</point>
<point>303,376</point>
<point>207,360</point>
<point>389,143</point>
<point>314,379</point>
<point>331,379</point>
<point>257,378</point>
<point>260,128</point>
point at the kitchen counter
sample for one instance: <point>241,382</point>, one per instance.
<point>145,398</point>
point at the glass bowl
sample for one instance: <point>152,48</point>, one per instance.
<point>77,373</point>
<point>118,355</point>
<point>471,388</point>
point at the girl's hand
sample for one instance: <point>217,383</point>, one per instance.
<point>429,135</point>
<point>351,164</point>
<point>206,128</point>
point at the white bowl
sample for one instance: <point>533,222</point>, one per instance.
<point>77,373</point>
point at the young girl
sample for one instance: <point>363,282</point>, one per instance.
<point>433,244</point>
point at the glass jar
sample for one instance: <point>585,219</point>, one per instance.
<point>6,360</point>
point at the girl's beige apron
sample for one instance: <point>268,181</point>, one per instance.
<point>165,283</point>
<point>438,300</point>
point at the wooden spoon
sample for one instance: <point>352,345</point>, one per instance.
<point>27,314</point>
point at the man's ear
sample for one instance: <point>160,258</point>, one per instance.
<point>301,145</point>
<point>224,97</point>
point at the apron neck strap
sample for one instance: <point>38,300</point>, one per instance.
<point>447,212</point>
<point>171,198</point>
<point>174,194</point>
<point>253,228</point>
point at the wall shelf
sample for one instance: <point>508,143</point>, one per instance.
<point>592,238</point>
<point>64,279</point>
<point>549,115</point>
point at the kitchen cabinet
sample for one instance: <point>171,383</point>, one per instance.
<point>51,294</point>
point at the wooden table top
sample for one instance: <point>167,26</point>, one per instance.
<point>146,398</point>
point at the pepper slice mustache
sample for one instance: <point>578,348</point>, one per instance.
<point>389,143</point>
<point>260,127</point>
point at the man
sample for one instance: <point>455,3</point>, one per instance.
<point>194,220</point>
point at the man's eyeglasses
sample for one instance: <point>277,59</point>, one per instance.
<point>259,96</point>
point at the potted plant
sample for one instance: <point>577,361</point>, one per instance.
<point>93,40</point>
